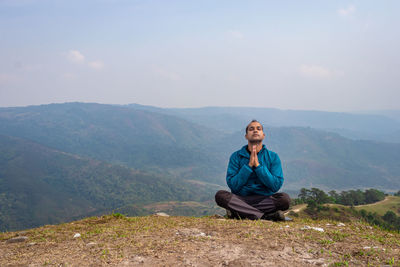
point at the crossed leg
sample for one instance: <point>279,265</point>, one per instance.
<point>252,207</point>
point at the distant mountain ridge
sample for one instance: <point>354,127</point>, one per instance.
<point>80,158</point>
<point>381,126</point>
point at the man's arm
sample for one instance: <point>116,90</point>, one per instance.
<point>237,177</point>
<point>273,178</point>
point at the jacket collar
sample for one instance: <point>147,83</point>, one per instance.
<point>243,151</point>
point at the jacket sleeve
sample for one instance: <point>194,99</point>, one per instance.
<point>236,176</point>
<point>272,178</point>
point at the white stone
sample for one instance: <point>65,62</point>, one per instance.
<point>312,228</point>
<point>162,214</point>
<point>77,235</point>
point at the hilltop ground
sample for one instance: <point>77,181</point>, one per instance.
<point>186,241</point>
<point>389,203</point>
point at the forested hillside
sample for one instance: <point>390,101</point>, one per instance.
<point>70,160</point>
<point>146,140</point>
<point>39,185</point>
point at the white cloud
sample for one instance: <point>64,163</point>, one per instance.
<point>75,56</point>
<point>97,64</point>
<point>315,71</point>
<point>345,12</point>
<point>235,34</point>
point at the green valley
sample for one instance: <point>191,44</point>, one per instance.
<point>64,161</point>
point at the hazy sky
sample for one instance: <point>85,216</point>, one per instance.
<point>321,55</point>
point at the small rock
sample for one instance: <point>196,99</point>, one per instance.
<point>17,239</point>
<point>139,259</point>
<point>77,235</point>
<point>317,262</point>
<point>162,214</point>
<point>312,228</point>
<point>366,247</point>
<point>22,233</point>
<point>31,244</point>
<point>341,224</point>
<point>91,244</point>
<point>202,235</point>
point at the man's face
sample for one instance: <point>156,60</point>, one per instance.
<point>255,132</point>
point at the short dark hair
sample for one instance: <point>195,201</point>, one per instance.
<point>247,127</point>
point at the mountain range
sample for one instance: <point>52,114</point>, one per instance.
<point>378,125</point>
<point>65,161</point>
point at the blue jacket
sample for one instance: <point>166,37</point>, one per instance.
<point>244,180</point>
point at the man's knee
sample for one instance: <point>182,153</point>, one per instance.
<point>222,198</point>
<point>283,201</point>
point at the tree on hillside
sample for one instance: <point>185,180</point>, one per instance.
<point>397,194</point>
<point>356,197</point>
<point>334,196</point>
<point>390,217</point>
<point>346,198</point>
<point>315,196</point>
<point>304,194</point>
<point>373,195</point>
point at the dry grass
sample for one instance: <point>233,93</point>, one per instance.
<point>171,241</point>
<point>389,203</point>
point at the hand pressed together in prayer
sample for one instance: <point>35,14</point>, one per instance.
<point>253,157</point>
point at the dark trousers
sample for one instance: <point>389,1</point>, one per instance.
<point>252,207</point>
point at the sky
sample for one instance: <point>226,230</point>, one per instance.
<point>308,55</point>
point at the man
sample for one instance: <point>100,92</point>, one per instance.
<point>254,176</point>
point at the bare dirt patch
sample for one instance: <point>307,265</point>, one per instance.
<point>183,241</point>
